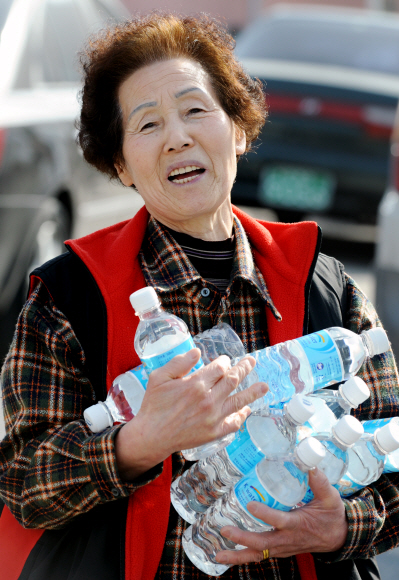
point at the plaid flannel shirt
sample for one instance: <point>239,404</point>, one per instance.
<point>53,468</point>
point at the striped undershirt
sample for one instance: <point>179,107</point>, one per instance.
<point>212,260</point>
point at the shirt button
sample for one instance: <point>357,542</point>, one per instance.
<point>205,292</point>
<point>115,492</point>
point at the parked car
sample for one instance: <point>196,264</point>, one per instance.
<point>47,191</point>
<point>387,248</point>
<point>331,81</point>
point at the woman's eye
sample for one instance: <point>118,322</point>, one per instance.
<point>147,126</point>
<point>195,110</point>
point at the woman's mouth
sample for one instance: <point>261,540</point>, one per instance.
<point>185,174</point>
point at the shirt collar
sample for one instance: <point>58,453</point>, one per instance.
<point>167,267</point>
<point>245,268</point>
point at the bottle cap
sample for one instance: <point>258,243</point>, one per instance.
<point>355,391</point>
<point>310,451</point>
<point>98,417</point>
<point>388,436</point>
<point>348,430</point>
<point>144,299</point>
<point>300,408</point>
<point>377,340</point>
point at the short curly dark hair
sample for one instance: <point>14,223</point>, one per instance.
<point>116,52</point>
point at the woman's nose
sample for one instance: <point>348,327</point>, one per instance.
<point>177,136</point>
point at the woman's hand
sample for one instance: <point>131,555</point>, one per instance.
<point>180,412</point>
<point>320,526</point>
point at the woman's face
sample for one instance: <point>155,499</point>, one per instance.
<point>179,145</point>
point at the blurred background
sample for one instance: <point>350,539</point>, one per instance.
<point>329,150</point>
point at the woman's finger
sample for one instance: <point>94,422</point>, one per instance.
<point>239,400</point>
<point>253,540</point>
<point>230,558</point>
<point>176,368</point>
<point>278,519</point>
<point>235,376</point>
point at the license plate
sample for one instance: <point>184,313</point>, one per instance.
<point>296,188</point>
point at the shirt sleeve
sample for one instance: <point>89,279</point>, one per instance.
<point>52,467</point>
<point>372,513</point>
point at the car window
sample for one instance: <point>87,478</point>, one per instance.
<point>64,32</point>
<point>4,10</point>
<point>356,44</point>
<point>67,24</point>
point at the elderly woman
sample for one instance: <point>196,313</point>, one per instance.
<point>167,109</point>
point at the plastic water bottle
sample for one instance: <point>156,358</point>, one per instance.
<point>127,392</point>
<point>343,435</point>
<point>314,361</point>
<point>392,462</point>
<point>367,457</point>
<point>266,432</point>
<point>217,341</point>
<point>160,336</point>
<point>304,365</point>
<point>122,403</point>
<point>277,482</point>
<point>332,405</point>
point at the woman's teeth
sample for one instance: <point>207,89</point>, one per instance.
<point>177,174</point>
<point>185,179</point>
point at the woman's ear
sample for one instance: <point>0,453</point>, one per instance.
<point>123,174</point>
<point>241,141</point>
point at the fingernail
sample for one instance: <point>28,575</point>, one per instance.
<point>253,507</point>
<point>222,559</point>
<point>226,533</point>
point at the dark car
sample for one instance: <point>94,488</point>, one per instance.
<point>47,191</point>
<point>331,81</point>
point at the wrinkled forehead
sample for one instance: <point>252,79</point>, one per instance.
<point>170,78</point>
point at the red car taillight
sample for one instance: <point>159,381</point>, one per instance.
<point>377,121</point>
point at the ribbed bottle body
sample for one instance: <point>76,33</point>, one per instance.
<point>265,433</point>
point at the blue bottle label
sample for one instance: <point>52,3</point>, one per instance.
<point>324,358</point>
<point>346,486</point>
<point>243,454</point>
<point>307,497</point>
<point>249,488</point>
<point>374,424</point>
<point>300,475</point>
<point>157,361</point>
<point>141,375</point>
<point>333,449</point>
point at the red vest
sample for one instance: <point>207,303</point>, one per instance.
<point>284,253</point>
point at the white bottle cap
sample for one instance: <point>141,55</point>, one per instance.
<point>98,417</point>
<point>377,340</point>
<point>355,391</point>
<point>144,299</point>
<point>310,451</point>
<point>348,430</point>
<point>300,408</point>
<point>388,436</point>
